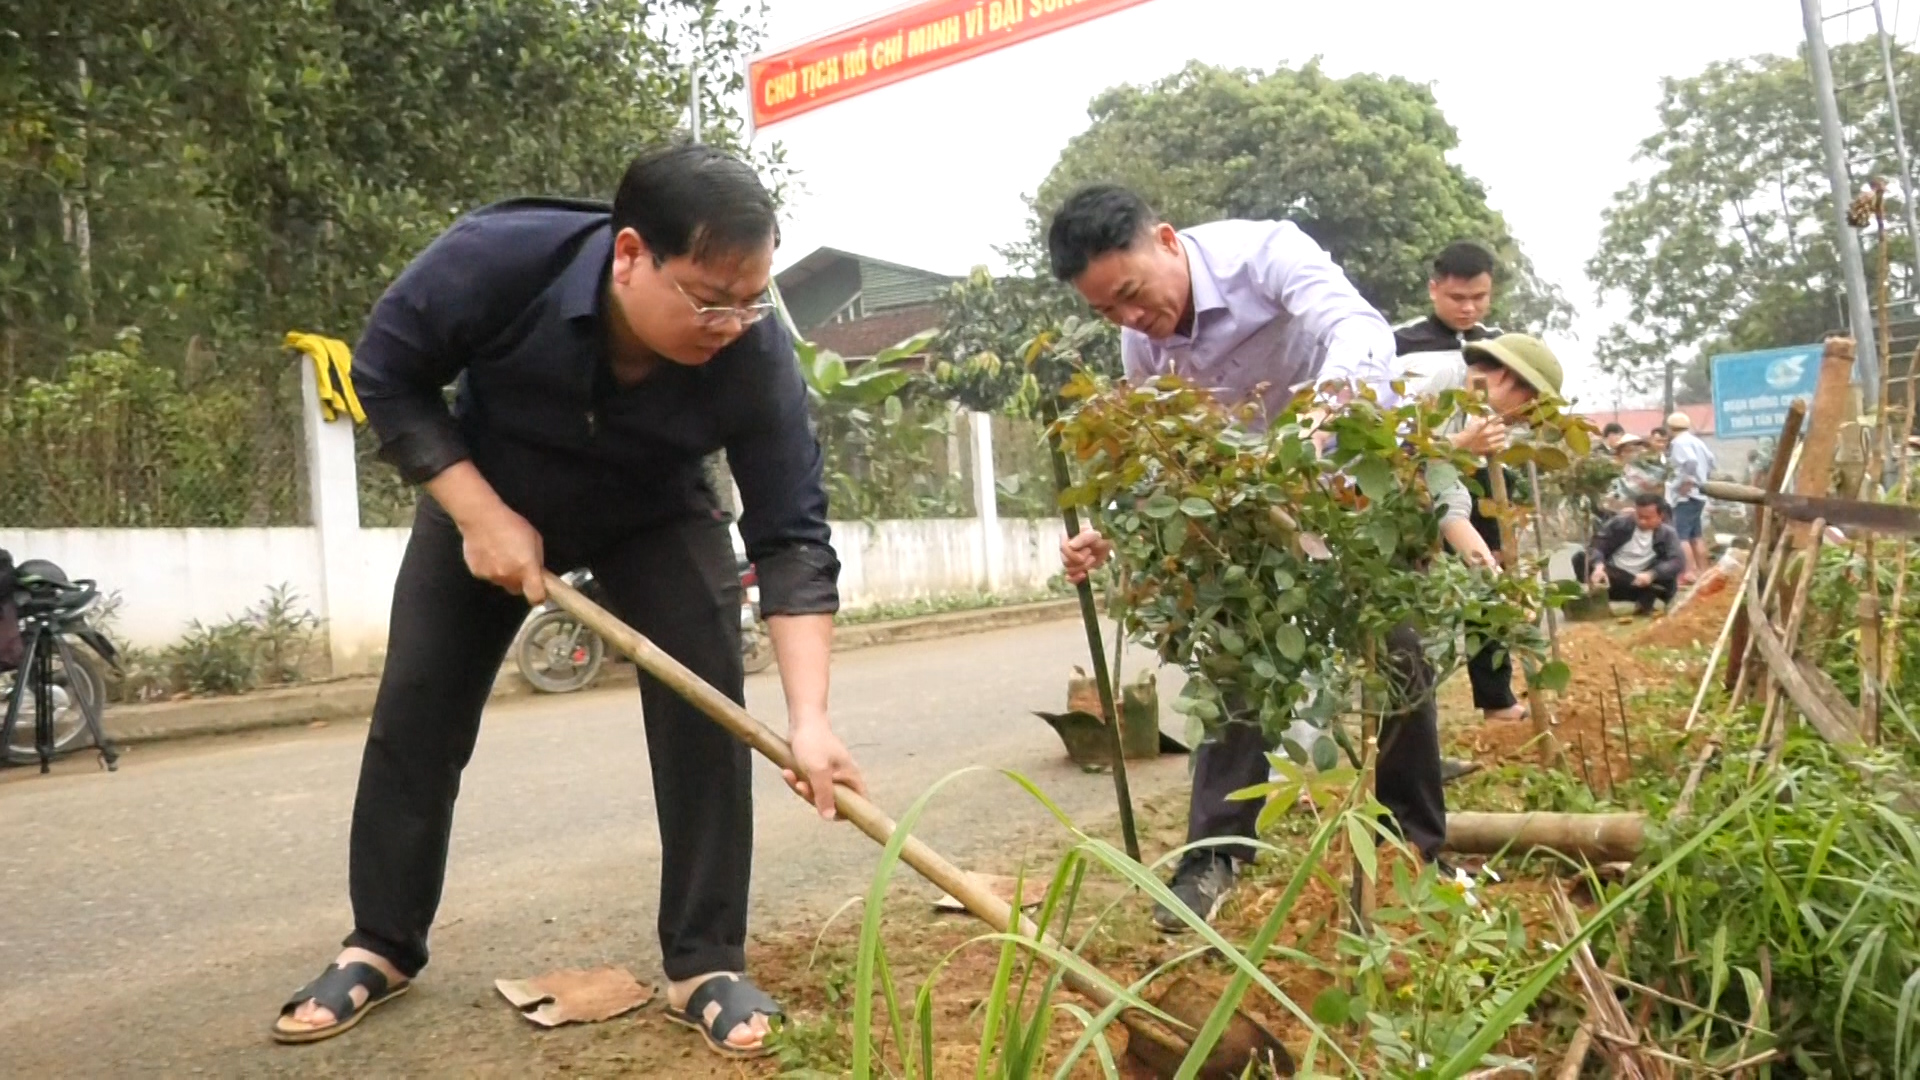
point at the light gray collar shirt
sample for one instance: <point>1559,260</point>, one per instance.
<point>1272,313</point>
<point>1692,464</point>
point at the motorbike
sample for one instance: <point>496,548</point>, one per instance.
<point>556,654</point>
<point>54,616</point>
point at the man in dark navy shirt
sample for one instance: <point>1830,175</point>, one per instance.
<point>598,357</point>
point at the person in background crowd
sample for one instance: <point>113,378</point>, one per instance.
<point>1635,557</point>
<point>1689,465</point>
<point>1657,441</point>
<point>1611,435</point>
<point>1636,476</point>
<point>1461,289</point>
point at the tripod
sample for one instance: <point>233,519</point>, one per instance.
<point>47,609</point>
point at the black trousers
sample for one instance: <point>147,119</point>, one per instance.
<point>1620,586</point>
<point>1407,780</point>
<point>448,634</point>
<point>1491,672</point>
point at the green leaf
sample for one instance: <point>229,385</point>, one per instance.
<point>1374,476</point>
<point>1441,476</point>
<point>1331,1007</point>
<point>1326,754</point>
<point>1232,641</point>
<point>1291,641</point>
<point>1553,675</point>
<point>1385,535</point>
<point>1361,839</point>
<point>1196,508</point>
<point>1161,507</point>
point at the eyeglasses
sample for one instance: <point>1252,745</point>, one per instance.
<point>715,316</point>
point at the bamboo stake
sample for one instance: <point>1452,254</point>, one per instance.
<point>1786,454</point>
<point>1830,398</point>
<point>1782,544</point>
<point>1540,545</point>
<point>1577,1051</point>
<point>1773,731</point>
<point>1090,622</point>
<point>1870,658</point>
<point>1364,893</point>
<point>1586,771</point>
<point>1606,748</point>
<point>1626,735</point>
<point>1897,612</point>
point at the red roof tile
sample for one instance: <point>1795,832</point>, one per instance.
<point>863,338</point>
<point>1641,421</point>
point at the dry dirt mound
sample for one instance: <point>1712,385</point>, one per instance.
<point>1611,665</point>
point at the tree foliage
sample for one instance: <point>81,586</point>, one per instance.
<point>981,356</point>
<point>1728,244</point>
<point>1270,573</point>
<point>1359,163</point>
<point>217,173</point>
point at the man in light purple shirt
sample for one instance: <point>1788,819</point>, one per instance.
<point>1251,310</point>
<point>1240,307</point>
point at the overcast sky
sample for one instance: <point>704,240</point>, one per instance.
<point>1550,98</point>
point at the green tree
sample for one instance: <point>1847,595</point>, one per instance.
<point>1359,163</point>
<point>1728,243</point>
<point>217,172</point>
<point>987,325</point>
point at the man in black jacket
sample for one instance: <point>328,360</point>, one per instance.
<point>1461,288</point>
<point>1635,557</point>
<point>599,355</point>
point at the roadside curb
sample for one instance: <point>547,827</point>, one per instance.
<point>352,698</point>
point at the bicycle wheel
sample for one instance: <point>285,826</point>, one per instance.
<point>756,649</point>
<point>557,655</point>
<point>71,687</point>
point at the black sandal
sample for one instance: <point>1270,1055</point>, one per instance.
<point>739,1001</point>
<point>333,991</point>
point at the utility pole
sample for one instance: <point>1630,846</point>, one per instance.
<point>693,79</point>
<point>1866,363</point>
<point>1899,138</point>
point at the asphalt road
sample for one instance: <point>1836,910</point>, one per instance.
<point>152,921</point>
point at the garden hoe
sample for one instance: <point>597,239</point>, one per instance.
<point>1158,1046</point>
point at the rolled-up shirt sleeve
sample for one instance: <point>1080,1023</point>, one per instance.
<point>416,342</point>
<point>776,461</point>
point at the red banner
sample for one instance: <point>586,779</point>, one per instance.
<point>901,44</point>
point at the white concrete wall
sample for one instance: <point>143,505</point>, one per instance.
<point>167,578</point>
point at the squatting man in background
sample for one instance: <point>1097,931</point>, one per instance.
<point>1461,289</point>
<point>600,355</point>
<point>1249,310</point>
<point>1635,557</point>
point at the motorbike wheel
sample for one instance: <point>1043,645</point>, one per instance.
<point>756,649</point>
<point>557,655</point>
<point>83,682</point>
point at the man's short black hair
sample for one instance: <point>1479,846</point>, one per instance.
<point>1660,432</point>
<point>1647,498</point>
<point>697,200</point>
<point>1612,429</point>
<point>1462,259</point>
<point>1093,221</point>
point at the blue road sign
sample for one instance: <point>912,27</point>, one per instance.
<point>1751,391</point>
